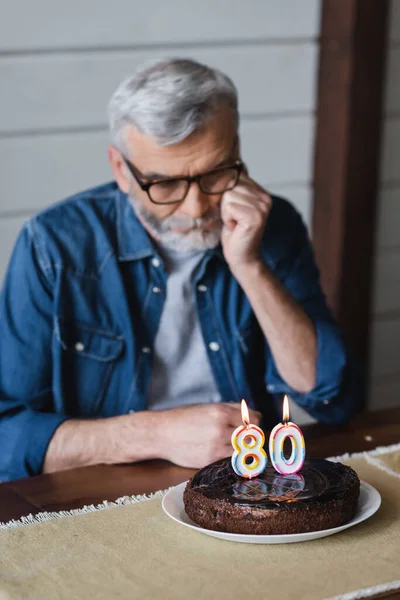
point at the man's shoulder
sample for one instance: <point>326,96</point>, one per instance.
<point>284,215</point>
<point>284,228</point>
<point>79,230</point>
<point>82,205</point>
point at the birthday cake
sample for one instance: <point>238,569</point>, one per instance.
<point>321,495</point>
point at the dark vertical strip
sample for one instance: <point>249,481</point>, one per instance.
<point>347,151</point>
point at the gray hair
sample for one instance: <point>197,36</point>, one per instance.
<point>168,100</point>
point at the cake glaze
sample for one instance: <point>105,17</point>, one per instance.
<point>322,495</point>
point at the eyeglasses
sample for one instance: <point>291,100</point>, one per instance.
<point>175,189</point>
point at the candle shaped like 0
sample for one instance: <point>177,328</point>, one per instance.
<point>278,435</point>
<point>249,458</point>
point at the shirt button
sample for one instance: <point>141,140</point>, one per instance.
<point>202,287</point>
<point>131,411</point>
<point>270,387</point>
<point>79,347</point>
<point>156,290</point>
<point>214,346</point>
<point>326,402</point>
<point>146,350</point>
<point>155,262</point>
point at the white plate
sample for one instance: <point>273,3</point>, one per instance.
<point>368,504</point>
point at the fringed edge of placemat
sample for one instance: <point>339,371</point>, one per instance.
<point>368,592</point>
<point>42,517</point>
<point>372,457</point>
<point>369,455</point>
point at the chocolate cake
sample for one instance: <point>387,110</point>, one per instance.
<point>321,495</point>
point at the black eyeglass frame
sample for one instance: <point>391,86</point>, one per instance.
<point>237,166</point>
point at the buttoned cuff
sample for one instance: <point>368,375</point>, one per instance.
<point>329,400</point>
<point>36,430</point>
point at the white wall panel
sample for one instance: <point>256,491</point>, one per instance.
<point>387,283</point>
<point>9,229</point>
<point>385,355</point>
<point>46,24</point>
<point>72,90</point>
<point>388,234</point>
<point>279,151</point>
<point>393,81</point>
<point>39,170</point>
<point>384,393</point>
<point>394,22</point>
<point>390,171</point>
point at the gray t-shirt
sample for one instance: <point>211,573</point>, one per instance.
<point>181,372</point>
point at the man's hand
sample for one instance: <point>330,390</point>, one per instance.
<point>289,331</point>
<point>194,436</point>
<point>244,212</point>
<point>190,436</point>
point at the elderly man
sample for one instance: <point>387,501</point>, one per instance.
<point>136,315</point>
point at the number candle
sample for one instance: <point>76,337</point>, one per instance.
<point>249,458</point>
<point>278,435</point>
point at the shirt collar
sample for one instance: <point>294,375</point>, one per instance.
<point>134,242</point>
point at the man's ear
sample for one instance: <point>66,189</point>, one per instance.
<point>236,153</point>
<point>119,169</point>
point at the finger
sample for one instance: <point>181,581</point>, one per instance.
<point>250,188</point>
<point>224,450</point>
<point>243,196</point>
<point>236,406</point>
<point>247,217</point>
<point>246,179</point>
<point>242,199</point>
<point>231,208</point>
<point>243,191</point>
<point>255,416</point>
<point>235,420</point>
<point>237,206</point>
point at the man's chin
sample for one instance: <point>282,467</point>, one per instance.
<point>192,240</point>
<point>205,230</point>
<point>180,231</point>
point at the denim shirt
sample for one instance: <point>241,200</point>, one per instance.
<point>80,308</point>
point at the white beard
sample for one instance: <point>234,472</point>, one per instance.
<point>195,239</point>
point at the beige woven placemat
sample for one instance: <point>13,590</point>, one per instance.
<point>136,552</point>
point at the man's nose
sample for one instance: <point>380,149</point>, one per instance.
<point>196,203</point>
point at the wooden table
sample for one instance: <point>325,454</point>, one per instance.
<point>91,485</point>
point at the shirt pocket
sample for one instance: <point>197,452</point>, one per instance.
<point>88,356</point>
<point>245,335</point>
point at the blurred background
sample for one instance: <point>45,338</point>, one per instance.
<point>60,62</point>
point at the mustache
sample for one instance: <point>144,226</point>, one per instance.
<point>186,222</point>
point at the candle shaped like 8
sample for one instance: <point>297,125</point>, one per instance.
<point>286,466</point>
<point>249,458</point>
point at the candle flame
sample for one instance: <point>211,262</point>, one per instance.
<point>285,409</point>
<point>245,413</point>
